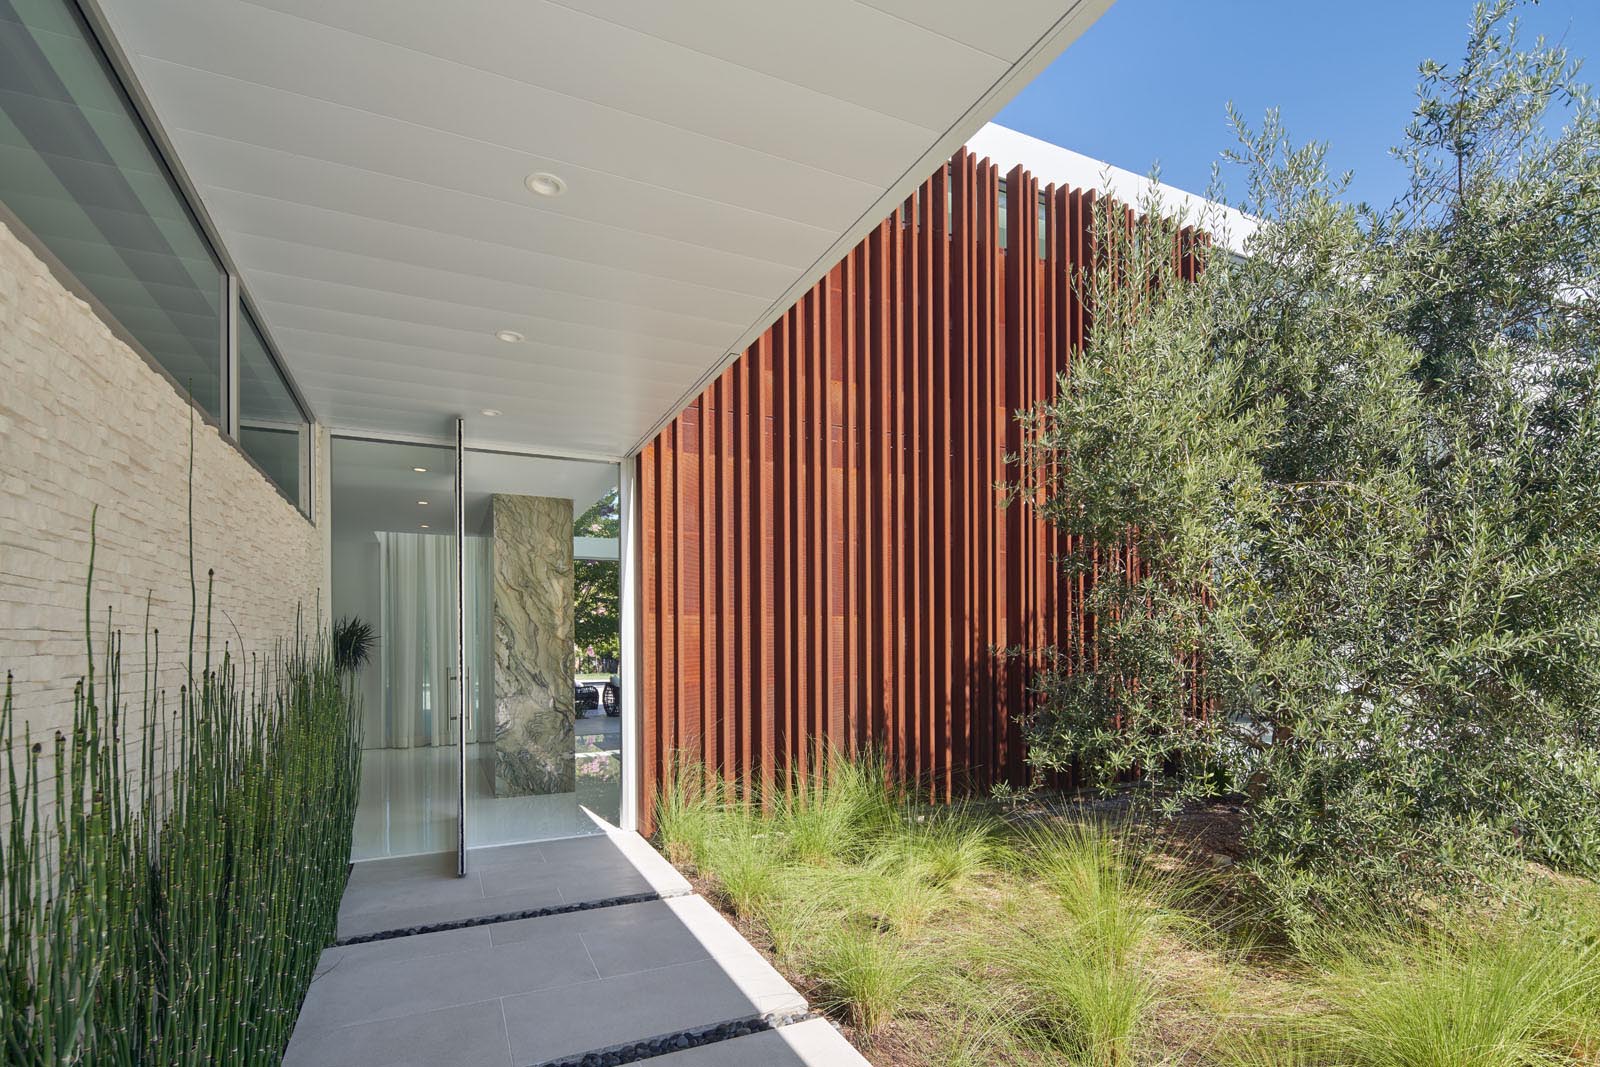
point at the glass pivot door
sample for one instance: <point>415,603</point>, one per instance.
<point>396,568</point>
<point>490,706</point>
<point>540,643</point>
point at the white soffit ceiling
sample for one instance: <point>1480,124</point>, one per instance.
<point>364,161</point>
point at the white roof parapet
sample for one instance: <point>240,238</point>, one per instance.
<point>1049,163</point>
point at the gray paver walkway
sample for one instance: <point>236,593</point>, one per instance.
<point>521,992</point>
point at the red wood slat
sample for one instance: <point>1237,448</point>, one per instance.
<point>825,561</point>
<point>898,682</point>
<point>937,292</point>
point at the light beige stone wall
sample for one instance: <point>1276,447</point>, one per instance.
<point>85,421</point>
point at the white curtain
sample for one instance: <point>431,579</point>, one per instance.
<point>417,583</point>
<point>418,609</point>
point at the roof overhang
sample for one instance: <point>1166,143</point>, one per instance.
<point>364,163</point>
<point>1054,165</point>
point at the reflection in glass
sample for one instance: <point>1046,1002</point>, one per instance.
<point>272,429</point>
<point>77,169</point>
<point>597,636</point>
<point>542,648</point>
<point>540,563</point>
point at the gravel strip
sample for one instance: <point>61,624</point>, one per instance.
<point>664,1044</point>
<point>504,917</point>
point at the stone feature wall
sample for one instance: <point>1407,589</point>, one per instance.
<point>86,422</point>
<point>533,663</point>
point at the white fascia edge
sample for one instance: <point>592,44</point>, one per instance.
<point>1051,163</point>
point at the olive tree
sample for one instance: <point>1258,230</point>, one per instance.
<point>1361,468</point>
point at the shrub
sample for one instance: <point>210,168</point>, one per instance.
<point>1339,502</point>
<point>1562,821</point>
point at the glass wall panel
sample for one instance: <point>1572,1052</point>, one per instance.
<point>77,168</point>
<point>394,569</point>
<point>541,647</point>
<point>272,429</point>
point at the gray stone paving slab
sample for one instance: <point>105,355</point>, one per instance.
<point>813,1043</point>
<point>401,913</point>
<point>471,1035</point>
<point>620,940</point>
<point>356,991</point>
<point>555,1023</point>
<point>439,943</point>
<point>589,880</point>
<point>499,854</point>
<point>526,991</point>
<point>417,890</point>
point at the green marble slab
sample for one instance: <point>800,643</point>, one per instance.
<point>533,658</point>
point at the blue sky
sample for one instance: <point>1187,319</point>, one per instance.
<point>1151,79</point>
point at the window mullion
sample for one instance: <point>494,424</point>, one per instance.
<point>230,355</point>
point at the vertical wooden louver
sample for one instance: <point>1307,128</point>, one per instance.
<point>825,558</point>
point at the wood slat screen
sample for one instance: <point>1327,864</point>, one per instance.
<point>825,561</point>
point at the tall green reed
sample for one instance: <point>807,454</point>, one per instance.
<point>171,875</point>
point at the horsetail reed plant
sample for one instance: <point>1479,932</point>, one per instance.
<point>171,878</point>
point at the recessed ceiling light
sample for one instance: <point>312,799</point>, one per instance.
<point>422,526</point>
<point>420,470</point>
<point>424,503</point>
<point>491,412</point>
<point>510,337</point>
<point>543,183</point>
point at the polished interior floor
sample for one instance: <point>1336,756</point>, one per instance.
<point>546,953</point>
<point>408,798</point>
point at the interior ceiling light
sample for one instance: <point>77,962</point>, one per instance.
<point>420,470</point>
<point>491,412</point>
<point>510,337</point>
<point>543,183</point>
<point>424,503</point>
<point>422,526</point>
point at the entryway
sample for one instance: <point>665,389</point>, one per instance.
<point>496,914</point>
<point>492,695</point>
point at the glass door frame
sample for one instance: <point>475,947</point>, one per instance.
<point>629,665</point>
<point>461,652</point>
<point>627,814</point>
<point>326,449</point>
